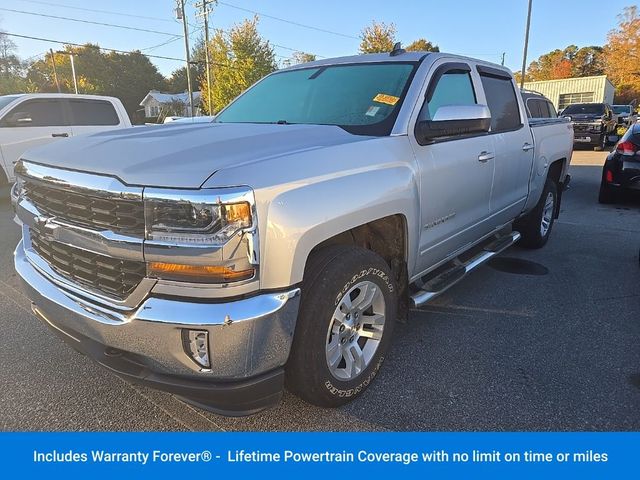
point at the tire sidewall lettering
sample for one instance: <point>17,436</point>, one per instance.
<point>358,276</point>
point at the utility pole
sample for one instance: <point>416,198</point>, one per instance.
<point>526,46</point>
<point>73,72</point>
<point>55,73</point>
<point>181,14</point>
<point>503,54</point>
<point>73,69</point>
<point>204,6</point>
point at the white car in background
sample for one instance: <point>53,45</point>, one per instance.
<point>200,119</point>
<point>31,120</point>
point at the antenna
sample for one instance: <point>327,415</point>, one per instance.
<point>397,49</point>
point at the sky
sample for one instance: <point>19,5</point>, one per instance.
<point>482,29</point>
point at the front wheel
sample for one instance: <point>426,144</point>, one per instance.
<point>535,227</point>
<point>346,319</point>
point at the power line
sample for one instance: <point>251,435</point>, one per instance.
<point>60,42</point>
<point>113,25</point>
<point>310,27</point>
<point>93,10</point>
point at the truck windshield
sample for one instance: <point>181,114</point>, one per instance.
<point>621,109</point>
<point>363,99</point>
<point>585,108</point>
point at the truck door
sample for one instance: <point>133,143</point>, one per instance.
<point>513,144</point>
<point>456,173</point>
<point>30,124</point>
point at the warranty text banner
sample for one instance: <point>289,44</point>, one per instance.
<point>495,455</point>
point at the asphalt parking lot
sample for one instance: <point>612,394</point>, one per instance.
<point>538,340</point>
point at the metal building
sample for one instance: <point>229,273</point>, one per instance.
<point>575,90</point>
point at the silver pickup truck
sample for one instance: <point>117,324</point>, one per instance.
<point>278,245</point>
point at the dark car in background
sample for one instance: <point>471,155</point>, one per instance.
<point>621,171</point>
<point>593,123</point>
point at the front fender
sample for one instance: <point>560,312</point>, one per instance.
<point>301,218</point>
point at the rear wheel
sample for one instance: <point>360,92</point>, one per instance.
<point>344,328</point>
<point>535,227</point>
<point>607,194</point>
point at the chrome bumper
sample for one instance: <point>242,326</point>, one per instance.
<point>246,337</point>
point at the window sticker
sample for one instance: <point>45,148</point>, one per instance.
<point>387,99</point>
<point>372,111</point>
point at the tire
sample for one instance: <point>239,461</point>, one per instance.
<point>603,144</point>
<point>606,195</point>
<point>535,233</point>
<point>333,275</point>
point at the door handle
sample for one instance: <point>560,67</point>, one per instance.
<point>527,146</point>
<point>485,157</point>
<point>63,135</point>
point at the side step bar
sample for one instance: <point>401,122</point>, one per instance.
<point>437,285</point>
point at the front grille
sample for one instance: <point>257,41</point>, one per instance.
<point>110,276</point>
<point>118,215</point>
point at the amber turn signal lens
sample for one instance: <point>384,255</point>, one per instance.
<point>238,212</point>
<point>198,273</point>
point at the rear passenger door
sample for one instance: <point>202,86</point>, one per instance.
<point>91,116</point>
<point>513,144</point>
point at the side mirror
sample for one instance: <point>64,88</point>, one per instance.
<point>452,120</point>
<point>18,119</point>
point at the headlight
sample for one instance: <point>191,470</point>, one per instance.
<point>201,236</point>
<point>199,217</point>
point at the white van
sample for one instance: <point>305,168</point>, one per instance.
<point>30,120</point>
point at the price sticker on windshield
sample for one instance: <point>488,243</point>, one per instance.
<point>387,99</point>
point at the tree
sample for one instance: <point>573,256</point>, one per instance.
<point>127,76</point>
<point>378,38</point>
<point>381,37</point>
<point>177,82</point>
<point>11,68</point>
<point>588,61</point>
<point>622,56</point>
<point>422,45</point>
<point>298,58</point>
<point>238,59</point>
<point>570,62</point>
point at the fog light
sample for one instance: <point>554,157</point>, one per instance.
<point>196,345</point>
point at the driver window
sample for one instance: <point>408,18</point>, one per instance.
<point>37,113</point>
<point>453,88</point>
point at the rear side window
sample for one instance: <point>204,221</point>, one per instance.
<point>453,88</point>
<point>502,102</point>
<point>92,112</point>
<point>540,108</point>
<point>552,110</point>
<point>36,113</point>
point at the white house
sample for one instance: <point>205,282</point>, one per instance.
<point>154,102</point>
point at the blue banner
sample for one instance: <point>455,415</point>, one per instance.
<point>470,455</point>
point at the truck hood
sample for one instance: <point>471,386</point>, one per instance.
<point>184,156</point>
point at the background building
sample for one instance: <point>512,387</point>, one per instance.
<point>575,90</point>
<point>159,104</point>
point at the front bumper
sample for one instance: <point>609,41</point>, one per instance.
<point>587,136</point>
<point>249,340</point>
